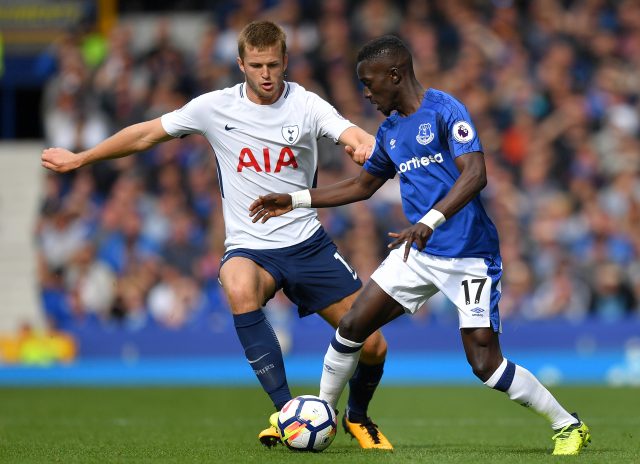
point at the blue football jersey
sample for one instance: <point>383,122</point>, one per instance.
<point>421,149</point>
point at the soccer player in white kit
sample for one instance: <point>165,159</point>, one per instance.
<point>264,135</point>
<point>429,141</point>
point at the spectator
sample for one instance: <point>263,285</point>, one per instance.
<point>552,86</point>
<point>91,281</point>
<point>612,298</point>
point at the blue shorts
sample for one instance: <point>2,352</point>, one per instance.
<point>312,274</point>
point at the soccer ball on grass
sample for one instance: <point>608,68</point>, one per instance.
<point>307,423</point>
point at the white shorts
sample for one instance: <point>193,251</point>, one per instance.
<point>472,284</point>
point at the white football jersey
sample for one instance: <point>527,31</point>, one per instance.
<point>261,149</point>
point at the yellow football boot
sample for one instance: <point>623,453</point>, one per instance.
<point>270,437</point>
<point>367,433</point>
<point>571,439</point>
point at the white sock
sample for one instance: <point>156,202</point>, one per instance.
<point>340,363</point>
<point>525,389</point>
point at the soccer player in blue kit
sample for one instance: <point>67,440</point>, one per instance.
<point>429,140</point>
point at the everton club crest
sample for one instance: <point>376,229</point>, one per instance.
<point>290,134</point>
<point>424,134</point>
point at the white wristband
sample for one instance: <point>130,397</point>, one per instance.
<point>433,219</point>
<point>301,199</point>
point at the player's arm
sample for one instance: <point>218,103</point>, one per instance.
<point>132,139</point>
<point>472,179</point>
<point>344,192</point>
<point>358,144</point>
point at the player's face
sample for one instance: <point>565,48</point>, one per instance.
<point>378,85</point>
<point>264,72</point>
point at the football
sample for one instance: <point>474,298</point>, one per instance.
<point>307,423</point>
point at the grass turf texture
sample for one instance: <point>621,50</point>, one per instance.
<point>183,425</point>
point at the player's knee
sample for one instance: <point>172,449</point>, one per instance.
<point>482,375</point>
<point>242,301</point>
<point>482,368</point>
<point>350,329</point>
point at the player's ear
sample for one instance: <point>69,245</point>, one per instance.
<point>285,62</point>
<point>395,76</point>
<point>240,64</point>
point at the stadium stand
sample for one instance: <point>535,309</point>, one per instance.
<point>552,87</point>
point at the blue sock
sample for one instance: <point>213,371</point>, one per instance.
<point>506,379</point>
<point>263,352</point>
<point>362,385</point>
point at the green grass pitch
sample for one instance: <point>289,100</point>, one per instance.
<point>196,425</point>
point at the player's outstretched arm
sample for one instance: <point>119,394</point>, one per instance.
<point>358,144</point>
<point>341,193</point>
<point>132,139</point>
<point>473,178</point>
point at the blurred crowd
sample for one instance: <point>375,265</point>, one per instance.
<point>552,86</point>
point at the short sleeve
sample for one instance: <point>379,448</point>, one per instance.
<point>329,122</point>
<point>190,119</point>
<point>461,132</point>
<point>379,164</point>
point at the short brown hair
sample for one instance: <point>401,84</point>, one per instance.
<point>261,35</point>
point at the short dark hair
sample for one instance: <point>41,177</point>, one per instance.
<point>261,35</point>
<point>387,46</point>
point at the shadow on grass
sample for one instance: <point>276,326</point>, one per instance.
<point>451,448</point>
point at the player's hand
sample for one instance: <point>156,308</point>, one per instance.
<point>418,233</point>
<point>60,160</point>
<point>360,154</point>
<point>268,206</point>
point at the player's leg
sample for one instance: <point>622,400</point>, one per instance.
<point>318,279</point>
<point>356,354</point>
<point>357,327</point>
<point>344,351</point>
<point>483,352</point>
<point>395,287</point>
<point>247,287</point>
<point>323,282</point>
<point>369,369</point>
<point>473,285</point>
<point>482,348</point>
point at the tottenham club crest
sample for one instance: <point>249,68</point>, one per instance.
<point>290,134</point>
<point>463,132</point>
<point>424,134</point>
